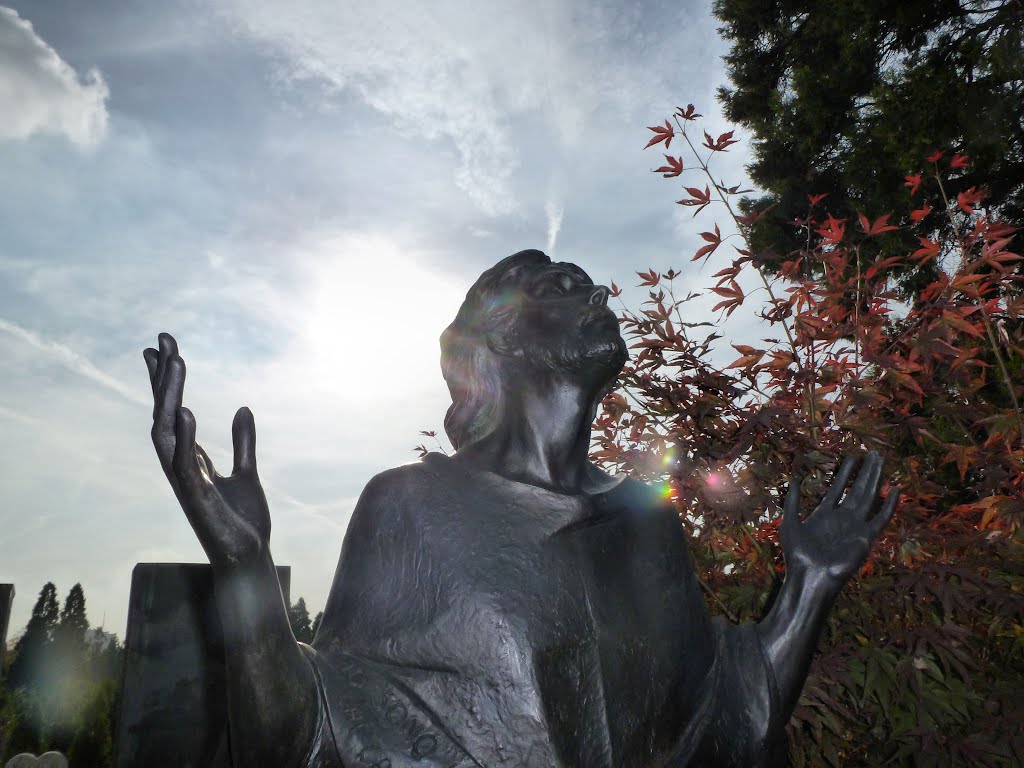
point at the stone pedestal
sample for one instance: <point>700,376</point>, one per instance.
<point>173,707</point>
<point>6,599</point>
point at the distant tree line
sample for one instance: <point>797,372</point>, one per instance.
<point>61,687</point>
<point>63,681</point>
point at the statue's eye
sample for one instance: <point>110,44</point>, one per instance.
<point>554,285</point>
<point>554,289</point>
<point>549,288</point>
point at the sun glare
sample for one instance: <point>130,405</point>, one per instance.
<point>371,315</point>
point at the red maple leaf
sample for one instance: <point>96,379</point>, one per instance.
<point>674,167</point>
<point>714,239</point>
<point>698,198</point>
<point>665,134</point>
<point>719,144</point>
<point>834,231</point>
<point>968,199</point>
<point>913,182</point>
<point>688,113</point>
<point>920,213</point>
<point>927,252</point>
<point>880,225</point>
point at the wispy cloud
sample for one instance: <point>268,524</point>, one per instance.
<point>73,361</point>
<point>554,212</point>
<point>41,93</point>
<point>469,74</point>
<point>21,418</point>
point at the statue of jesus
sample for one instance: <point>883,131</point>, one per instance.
<point>510,604</point>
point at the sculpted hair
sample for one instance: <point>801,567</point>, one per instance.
<point>472,371</point>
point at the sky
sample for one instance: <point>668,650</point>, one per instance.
<point>301,192</point>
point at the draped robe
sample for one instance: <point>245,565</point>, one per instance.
<point>479,621</point>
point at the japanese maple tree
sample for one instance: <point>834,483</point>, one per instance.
<point>923,660</point>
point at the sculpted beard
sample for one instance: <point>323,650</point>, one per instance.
<point>595,346</point>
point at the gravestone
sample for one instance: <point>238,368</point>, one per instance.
<point>173,698</point>
<point>6,599</point>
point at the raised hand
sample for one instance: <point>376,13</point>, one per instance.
<point>228,514</point>
<point>838,535</point>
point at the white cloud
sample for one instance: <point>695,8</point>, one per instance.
<point>42,93</point>
<point>72,361</point>
<point>464,72</point>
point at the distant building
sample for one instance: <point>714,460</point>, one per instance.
<point>96,639</point>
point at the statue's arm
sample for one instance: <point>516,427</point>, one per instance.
<point>273,702</point>
<point>761,668</point>
<point>822,553</point>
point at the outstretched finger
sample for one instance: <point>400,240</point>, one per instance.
<point>791,509</point>
<point>835,491</point>
<point>865,487</point>
<point>167,347</point>
<point>243,437</point>
<point>879,521</point>
<point>185,464</point>
<point>169,398</point>
<point>151,356</point>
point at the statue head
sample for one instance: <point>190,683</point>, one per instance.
<point>525,316</point>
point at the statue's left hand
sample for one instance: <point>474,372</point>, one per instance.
<point>838,535</point>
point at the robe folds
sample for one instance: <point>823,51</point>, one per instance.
<point>478,621</point>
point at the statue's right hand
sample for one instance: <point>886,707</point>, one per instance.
<point>228,514</point>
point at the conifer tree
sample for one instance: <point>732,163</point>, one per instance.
<point>298,616</point>
<point>846,97</point>
<point>31,648</point>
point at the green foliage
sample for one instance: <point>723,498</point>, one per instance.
<point>92,745</point>
<point>846,96</point>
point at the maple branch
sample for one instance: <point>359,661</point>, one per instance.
<point>742,230</point>
<point>993,341</point>
<point>751,386</point>
<point>718,601</point>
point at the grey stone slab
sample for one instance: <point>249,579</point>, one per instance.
<point>173,696</point>
<point>6,600</point>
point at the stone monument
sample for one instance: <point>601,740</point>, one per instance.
<point>6,600</point>
<point>173,696</point>
<point>510,605</point>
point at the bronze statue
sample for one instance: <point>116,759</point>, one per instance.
<point>510,605</point>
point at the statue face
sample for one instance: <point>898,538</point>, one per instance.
<point>564,323</point>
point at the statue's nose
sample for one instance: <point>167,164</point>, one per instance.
<point>599,296</point>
